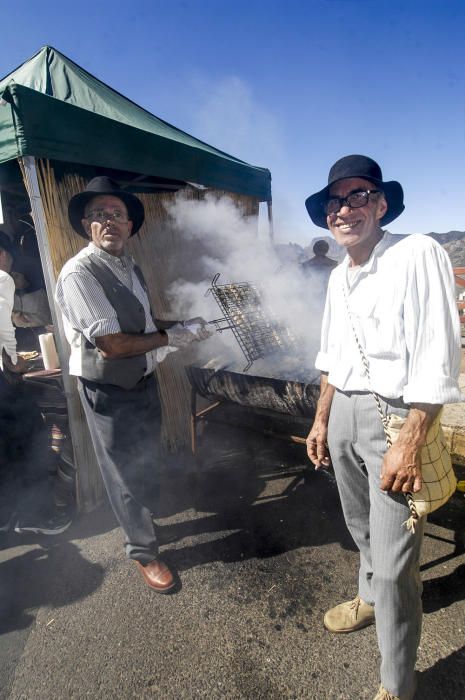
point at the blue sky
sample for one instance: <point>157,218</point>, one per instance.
<point>284,84</point>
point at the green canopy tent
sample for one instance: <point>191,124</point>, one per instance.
<point>52,108</point>
<point>55,113</point>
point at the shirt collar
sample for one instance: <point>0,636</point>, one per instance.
<point>377,251</point>
<point>124,260</point>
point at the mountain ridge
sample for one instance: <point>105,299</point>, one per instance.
<point>452,241</point>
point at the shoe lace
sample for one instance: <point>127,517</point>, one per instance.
<point>355,604</point>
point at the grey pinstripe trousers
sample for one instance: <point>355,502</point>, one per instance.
<point>124,426</point>
<point>389,575</point>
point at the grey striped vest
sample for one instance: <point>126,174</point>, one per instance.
<point>123,372</point>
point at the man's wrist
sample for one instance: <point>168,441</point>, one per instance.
<point>415,429</point>
<point>164,338</point>
<point>321,418</point>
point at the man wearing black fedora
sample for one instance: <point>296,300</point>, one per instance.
<point>390,308</point>
<point>115,347</point>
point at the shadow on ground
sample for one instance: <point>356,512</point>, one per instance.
<point>54,574</point>
<point>446,679</point>
<point>259,496</point>
<point>445,590</point>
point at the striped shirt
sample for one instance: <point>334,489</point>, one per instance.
<point>87,311</point>
<point>402,304</point>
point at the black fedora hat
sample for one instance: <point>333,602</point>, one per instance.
<point>99,186</point>
<point>363,167</point>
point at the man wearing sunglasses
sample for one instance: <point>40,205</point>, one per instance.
<point>394,297</point>
<point>116,345</point>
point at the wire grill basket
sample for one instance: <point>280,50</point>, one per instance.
<point>255,327</point>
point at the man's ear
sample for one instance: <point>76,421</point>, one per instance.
<point>86,226</point>
<point>381,208</point>
<point>130,225</point>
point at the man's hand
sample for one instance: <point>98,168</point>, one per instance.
<point>21,366</point>
<point>317,447</point>
<point>198,325</point>
<point>179,336</point>
<point>401,470</point>
<point>197,320</point>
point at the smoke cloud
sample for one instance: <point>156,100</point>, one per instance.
<point>228,243</point>
<point>234,116</point>
<point>230,115</point>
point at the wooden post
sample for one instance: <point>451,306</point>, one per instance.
<point>88,496</point>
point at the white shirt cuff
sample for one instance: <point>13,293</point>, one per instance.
<point>442,391</point>
<point>322,362</point>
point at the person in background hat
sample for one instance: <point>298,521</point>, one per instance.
<point>317,271</point>
<point>320,260</point>
<point>115,347</point>
<point>399,296</point>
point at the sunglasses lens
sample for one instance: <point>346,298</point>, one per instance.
<point>357,199</point>
<point>331,206</point>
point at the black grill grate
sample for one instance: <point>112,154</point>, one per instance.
<point>257,331</point>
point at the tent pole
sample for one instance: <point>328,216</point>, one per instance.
<point>269,205</point>
<point>38,215</point>
<point>85,496</point>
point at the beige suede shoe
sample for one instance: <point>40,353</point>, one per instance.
<point>350,616</point>
<point>384,694</point>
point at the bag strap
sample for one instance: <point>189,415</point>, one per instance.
<point>366,366</point>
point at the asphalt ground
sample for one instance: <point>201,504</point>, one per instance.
<point>262,551</point>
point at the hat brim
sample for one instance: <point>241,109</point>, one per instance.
<point>77,205</point>
<point>393,193</point>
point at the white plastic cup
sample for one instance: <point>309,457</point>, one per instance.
<point>49,351</point>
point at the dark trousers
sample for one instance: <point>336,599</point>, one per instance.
<point>25,456</point>
<point>124,426</point>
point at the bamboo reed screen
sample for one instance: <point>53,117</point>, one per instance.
<point>160,251</point>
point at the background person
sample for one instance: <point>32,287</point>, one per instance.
<point>31,312</point>
<point>317,271</point>
<point>320,260</point>
<point>26,496</point>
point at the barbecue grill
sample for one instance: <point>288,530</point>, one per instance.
<point>254,326</point>
<point>264,400</point>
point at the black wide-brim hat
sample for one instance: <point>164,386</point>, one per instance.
<point>99,186</point>
<point>363,167</point>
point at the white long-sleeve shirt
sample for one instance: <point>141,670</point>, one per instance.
<point>403,307</point>
<point>7,331</point>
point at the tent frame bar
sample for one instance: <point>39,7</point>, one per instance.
<point>269,206</point>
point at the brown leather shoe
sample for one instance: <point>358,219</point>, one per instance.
<point>157,576</point>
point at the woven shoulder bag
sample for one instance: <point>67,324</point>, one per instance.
<point>437,473</point>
